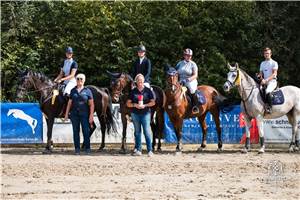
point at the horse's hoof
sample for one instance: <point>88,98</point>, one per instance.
<point>244,150</point>
<point>291,149</point>
<point>200,149</point>
<point>47,151</point>
<point>261,151</point>
<point>296,148</point>
<point>159,150</point>
<point>123,151</point>
<point>178,153</point>
<point>219,150</point>
<point>101,149</point>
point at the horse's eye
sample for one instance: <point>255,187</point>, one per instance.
<point>234,75</point>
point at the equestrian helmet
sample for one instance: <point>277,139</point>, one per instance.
<point>188,52</point>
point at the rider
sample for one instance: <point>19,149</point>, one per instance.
<point>67,73</point>
<point>142,65</point>
<point>268,72</point>
<point>188,73</point>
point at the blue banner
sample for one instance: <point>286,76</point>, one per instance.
<point>21,123</point>
<point>192,132</point>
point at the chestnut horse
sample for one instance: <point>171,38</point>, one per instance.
<point>121,85</point>
<point>178,107</point>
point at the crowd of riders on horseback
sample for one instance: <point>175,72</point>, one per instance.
<point>80,99</point>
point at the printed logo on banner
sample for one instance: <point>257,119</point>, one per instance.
<point>21,123</point>
<point>192,132</point>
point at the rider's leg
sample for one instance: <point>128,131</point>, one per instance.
<point>271,86</point>
<point>192,88</point>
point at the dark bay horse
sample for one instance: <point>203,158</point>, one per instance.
<point>121,86</point>
<point>41,84</point>
<point>179,108</point>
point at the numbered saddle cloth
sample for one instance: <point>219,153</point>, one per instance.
<point>277,97</point>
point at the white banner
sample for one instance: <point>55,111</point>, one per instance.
<point>63,132</point>
<point>278,130</point>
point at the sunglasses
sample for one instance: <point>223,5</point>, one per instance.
<point>79,79</point>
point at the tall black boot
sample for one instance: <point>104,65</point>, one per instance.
<point>269,103</point>
<point>195,108</point>
<point>65,103</point>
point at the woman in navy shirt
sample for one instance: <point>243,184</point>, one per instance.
<point>81,107</point>
<point>140,100</point>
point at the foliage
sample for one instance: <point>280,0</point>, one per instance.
<point>104,36</point>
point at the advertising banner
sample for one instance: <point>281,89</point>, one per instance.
<point>21,123</point>
<point>192,132</point>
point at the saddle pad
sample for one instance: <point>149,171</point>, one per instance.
<point>201,97</point>
<point>278,97</point>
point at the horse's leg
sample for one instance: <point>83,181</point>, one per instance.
<point>160,128</point>
<point>247,127</point>
<point>292,119</point>
<point>260,124</point>
<point>178,131</point>
<point>201,120</point>
<point>154,131</point>
<point>50,122</point>
<point>102,120</point>
<point>124,123</point>
<point>216,114</point>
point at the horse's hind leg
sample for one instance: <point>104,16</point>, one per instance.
<point>294,145</point>
<point>201,120</point>
<point>216,114</point>
<point>102,120</point>
<point>50,122</point>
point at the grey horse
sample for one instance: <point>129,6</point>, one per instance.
<point>253,106</point>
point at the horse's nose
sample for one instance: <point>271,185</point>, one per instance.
<point>225,87</point>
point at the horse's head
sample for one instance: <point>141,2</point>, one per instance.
<point>172,79</point>
<point>25,83</point>
<point>32,80</point>
<point>233,77</point>
<point>118,82</point>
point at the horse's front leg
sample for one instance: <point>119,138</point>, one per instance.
<point>247,127</point>
<point>124,123</point>
<point>178,131</point>
<point>201,120</point>
<point>260,124</point>
<point>49,146</point>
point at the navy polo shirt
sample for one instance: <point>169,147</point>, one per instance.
<point>80,101</point>
<point>147,96</point>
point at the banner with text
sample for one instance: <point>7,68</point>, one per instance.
<point>21,123</point>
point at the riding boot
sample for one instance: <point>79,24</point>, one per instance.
<point>268,103</point>
<point>65,103</point>
<point>195,108</point>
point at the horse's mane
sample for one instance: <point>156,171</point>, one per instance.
<point>40,76</point>
<point>248,77</point>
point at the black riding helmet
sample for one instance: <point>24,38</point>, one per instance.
<point>142,48</point>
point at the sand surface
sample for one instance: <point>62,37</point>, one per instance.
<point>28,174</point>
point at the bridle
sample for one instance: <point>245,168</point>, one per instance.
<point>237,82</point>
<point>119,90</point>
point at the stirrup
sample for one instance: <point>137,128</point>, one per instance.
<point>195,110</point>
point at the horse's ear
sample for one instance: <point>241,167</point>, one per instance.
<point>113,75</point>
<point>228,66</point>
<point>236,65</point>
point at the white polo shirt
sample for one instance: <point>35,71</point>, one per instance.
<point>267,67</point>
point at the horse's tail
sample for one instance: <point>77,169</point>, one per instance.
<point>110,119</point>
<point>225,105</point>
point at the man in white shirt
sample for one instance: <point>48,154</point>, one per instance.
<point>268,71</point>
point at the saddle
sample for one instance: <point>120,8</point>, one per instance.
<point>277,95</point>
<point>200,96</point>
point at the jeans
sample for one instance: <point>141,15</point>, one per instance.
<point>76,120</point>
<point>144,121</point>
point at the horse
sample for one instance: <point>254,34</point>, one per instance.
<point>252,105</point>
<point>178,107</point>
<point>52,106</point>
<point>121,86</point>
